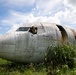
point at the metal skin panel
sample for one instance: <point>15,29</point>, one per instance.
<point>7,46</point>
<point>26,47</point>
<point>21,39</point>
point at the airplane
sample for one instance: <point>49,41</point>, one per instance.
<point>29,43</point>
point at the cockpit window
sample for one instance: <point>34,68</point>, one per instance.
<point>23,29</point>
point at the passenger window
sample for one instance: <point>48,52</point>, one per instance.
<point>23,29</point>
<point>41,30</point>
<point>33,30</point>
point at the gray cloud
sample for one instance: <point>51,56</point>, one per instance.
<point>72,2</point>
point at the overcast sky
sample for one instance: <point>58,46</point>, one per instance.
<point>17,12</point>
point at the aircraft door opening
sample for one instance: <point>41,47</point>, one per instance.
<point>63,33</point>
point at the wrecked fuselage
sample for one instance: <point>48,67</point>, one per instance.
<point>29,43</point>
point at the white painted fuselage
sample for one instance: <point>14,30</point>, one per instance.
<point>25,46</point>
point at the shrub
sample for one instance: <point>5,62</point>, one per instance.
<point>61,55</point>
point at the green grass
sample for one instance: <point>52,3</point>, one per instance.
<point>11,68</point>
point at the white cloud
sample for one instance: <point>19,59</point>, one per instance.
<point>17,19</point>
<point>67,17</point>
<point>40,12</point>
<point>45,7</point>
<point>61,17</point>
<point>21,18</point>
<point>70,3</point>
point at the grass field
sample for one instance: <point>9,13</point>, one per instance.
<point>11,68</point>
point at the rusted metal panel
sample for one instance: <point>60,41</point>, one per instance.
<point>74,33</point>
<point>71,38</point>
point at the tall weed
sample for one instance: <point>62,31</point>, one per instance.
<point>61,55</point>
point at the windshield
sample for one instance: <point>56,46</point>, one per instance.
<point>23,29</point>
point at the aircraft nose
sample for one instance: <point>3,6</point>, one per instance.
<point>7,43</point>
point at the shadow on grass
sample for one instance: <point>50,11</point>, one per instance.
<point>12,66</point>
